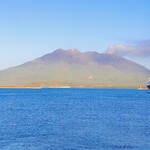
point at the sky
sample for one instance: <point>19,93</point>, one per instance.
<point>32,28</point>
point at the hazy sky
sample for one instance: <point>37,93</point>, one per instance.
<point>32,28</point>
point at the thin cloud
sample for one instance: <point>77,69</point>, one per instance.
<point>141,43</point>
<point>142,49</point>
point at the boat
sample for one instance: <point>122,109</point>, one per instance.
<point>148,84</point>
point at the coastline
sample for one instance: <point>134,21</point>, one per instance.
<point>19,87</point>
<point>63,87</point>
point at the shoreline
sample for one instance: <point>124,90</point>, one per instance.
<point>28,87</point>
<point>19,87</point>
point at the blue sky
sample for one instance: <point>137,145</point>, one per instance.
<point>32,28</point>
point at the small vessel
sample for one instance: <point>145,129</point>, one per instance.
<point>148,84</point>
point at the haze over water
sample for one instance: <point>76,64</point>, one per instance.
<point>73,119</point>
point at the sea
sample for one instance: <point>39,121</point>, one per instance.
<point>74,119</point>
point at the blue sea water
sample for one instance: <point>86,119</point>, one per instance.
<point>74,119</point>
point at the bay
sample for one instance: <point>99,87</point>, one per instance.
<point>74,119</point>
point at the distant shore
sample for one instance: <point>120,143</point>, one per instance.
<point>143,89</point>
<point>19,87</point>
<point>38,87</point>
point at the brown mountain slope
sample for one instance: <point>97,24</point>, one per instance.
<point>71,67</point>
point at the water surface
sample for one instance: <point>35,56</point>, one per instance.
<point>74,119</point>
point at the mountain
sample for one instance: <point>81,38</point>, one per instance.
<point>76,69</point>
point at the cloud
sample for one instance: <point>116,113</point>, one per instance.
<point>122,50</point>
<point>141,49</point>
<point>141,43</point>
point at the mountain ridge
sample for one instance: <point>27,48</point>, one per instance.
<point>88,69</point>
